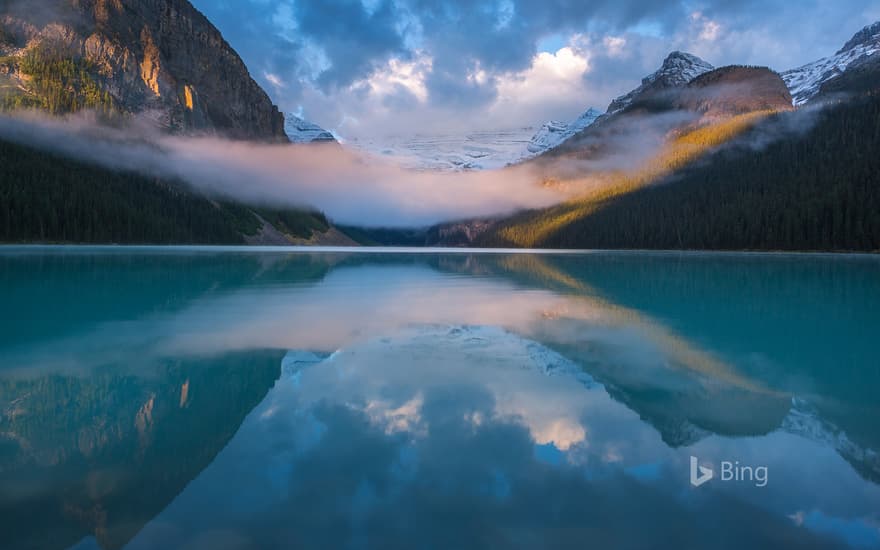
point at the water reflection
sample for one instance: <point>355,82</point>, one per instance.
<point>456,400</point>
<point>101,452</point>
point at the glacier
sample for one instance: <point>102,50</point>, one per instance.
<point>484,150</point>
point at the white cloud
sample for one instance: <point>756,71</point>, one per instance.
<point>706,29</point>
<point>614,45</point>
<point>395,74</point>
<point>552,80</point>
<point>406,418</point>
<point>275,80</point>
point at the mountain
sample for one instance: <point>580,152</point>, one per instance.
<point>489,150</point>
<point>803,180</point>
<point>554,132</point>
<point>807,82</point>
<point>677,70</point>
<point>303,131</point>
<point>160,60</point>
<point>860,78</point>
<point>662,130</point>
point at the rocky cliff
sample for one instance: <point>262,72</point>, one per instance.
<point>735,90</point>
<point>160,60</point>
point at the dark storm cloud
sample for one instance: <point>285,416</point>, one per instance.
<point>252,28</point>
<point>501,36</point>
<point>327,45</point>
<point>496,36</point>
<point>353,37</point>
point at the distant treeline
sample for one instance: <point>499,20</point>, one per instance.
<point>45,197</point>
<point>779,189</point>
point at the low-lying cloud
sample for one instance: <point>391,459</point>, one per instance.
<point>349,188</point>
<point>357,189</point>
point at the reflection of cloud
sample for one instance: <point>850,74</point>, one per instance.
<point>562,433</point>
<point>494,422</point>
<point>405,418</point>
<point>514,372</point>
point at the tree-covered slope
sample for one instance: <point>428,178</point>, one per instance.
<point>48,198</point>
<point>774,189</point>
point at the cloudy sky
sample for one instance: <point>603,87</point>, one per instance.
<point>398,67</point>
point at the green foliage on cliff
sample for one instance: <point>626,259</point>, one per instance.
<point>57,82</point>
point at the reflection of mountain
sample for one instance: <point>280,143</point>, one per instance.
<point>102,454</point>
<point>726,366</point>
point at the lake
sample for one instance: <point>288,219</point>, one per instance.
<point>278,398</point>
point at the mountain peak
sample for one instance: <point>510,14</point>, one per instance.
<point>554,133</point>
<point>806,82</point>
<point>303,131</point>
<point>677,69</point>
<point>684,56</point>
<point>868,36</point>
<point>680,68</point>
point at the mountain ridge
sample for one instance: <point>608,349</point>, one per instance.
<point>806,81</point>
<point>677,69</point>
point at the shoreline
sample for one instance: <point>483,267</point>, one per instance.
<point>84,248</point>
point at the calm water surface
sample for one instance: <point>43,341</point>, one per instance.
<point>206,398</point>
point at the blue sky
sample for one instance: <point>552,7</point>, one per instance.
<point>372,67</point>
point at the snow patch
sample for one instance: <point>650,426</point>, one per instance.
<point>678,69</point>
<point>554,133</point>
<point>805,82</point>
<point>303,131</point>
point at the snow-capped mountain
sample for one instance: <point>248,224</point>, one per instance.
<point>678,69</point>
<point>803,420</point>
<point>303,131</point>
<point>450,152</point>
<point>554,132</point>
<point>805,82</point>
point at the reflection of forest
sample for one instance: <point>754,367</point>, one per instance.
<point>57,294</point>
<point>102,453</point>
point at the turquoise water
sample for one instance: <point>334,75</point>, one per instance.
<point>230,398</point>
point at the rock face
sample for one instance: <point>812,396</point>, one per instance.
<point>677,70</point>
<point>161,60</point>
<point>736,90</point>
<point>808,81</point>
<point>303,131</point>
